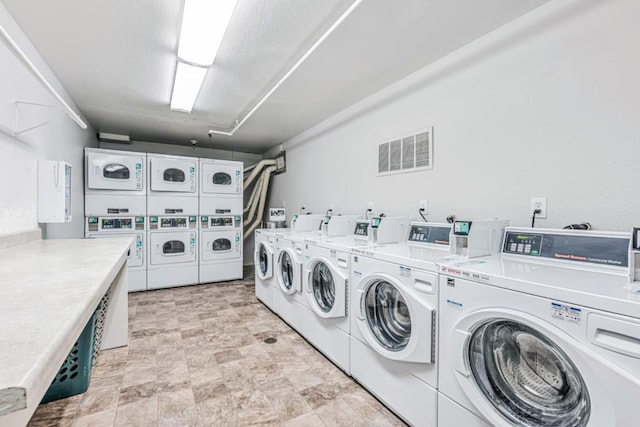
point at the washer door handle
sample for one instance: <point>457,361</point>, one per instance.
<point>459,345</point>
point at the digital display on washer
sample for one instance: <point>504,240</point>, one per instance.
<point>225,221</point>
<point>375,222</point>
<point>462,228</point>
<point>362,229</point>
<point>438,235</point>
<point>523,243</point>
<point>173,222</point>
<point>327,219</point>
<point>116,223</point>
<point>613,251</point>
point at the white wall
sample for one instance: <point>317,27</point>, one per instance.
<point>60,139</point>
<point>547,106</point>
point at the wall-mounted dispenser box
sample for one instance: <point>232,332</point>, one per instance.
<point>54,191</point>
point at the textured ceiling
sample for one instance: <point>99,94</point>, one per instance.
<point>117,59</point>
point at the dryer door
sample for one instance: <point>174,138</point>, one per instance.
<point>394,320</point>
<point>264,261</point>
<point>326,289</point>
<point>527,377</point>
<point>172,247</point>
<point>114,172</point>
<point>174,175</point>
<point>136,251</point>
<point>289,272</point>
<point>221,245</point>
<point>221,178</point>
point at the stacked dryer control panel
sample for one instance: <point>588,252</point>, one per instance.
<point>183,213</point>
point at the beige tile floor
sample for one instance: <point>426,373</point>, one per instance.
<point>197,357</point>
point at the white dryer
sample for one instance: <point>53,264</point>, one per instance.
<point>172,251</point>
<point>394,301</point>
<point>545,334</point>
<point>131,227</point>
<point>221,187</point>
<point>173,185</point>
<point>114,183</point>
<point>220,248</point>
<point>264,259</point>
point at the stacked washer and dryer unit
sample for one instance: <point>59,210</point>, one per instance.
<point>156,199</point>
<point>172,206</point>
<point>220,220</point>
<point>116,204</point>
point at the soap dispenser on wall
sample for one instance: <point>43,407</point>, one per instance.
<point>54,191</point>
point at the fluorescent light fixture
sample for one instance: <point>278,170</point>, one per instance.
<point>204,23</point>
<point>186,86</point>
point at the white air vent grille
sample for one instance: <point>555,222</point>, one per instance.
<point>395,155</point>
<point>407,154</point>
<point>383,157</point>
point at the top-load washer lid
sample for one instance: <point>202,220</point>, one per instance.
<point>526,377</point>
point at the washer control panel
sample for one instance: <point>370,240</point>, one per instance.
<point>436,234</point>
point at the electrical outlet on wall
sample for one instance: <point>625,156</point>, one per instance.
<point>539,203</point>
<point>422,205</point>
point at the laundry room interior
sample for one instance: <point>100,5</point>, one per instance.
<point>370,161</point>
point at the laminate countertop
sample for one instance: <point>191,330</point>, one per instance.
<point>49,290</point>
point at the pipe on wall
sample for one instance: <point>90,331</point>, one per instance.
<point>263,198</point>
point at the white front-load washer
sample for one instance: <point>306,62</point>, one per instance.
<point>546,334</point>
<point>133,226</point>
<point>289,265</point>
<point>173,185</point>
<point>323,317</point>
<point>264,259</point>
<point>220,248</point>
<point>221,187</point>
<point>173,251</point>
<point>114,183</point>
<point>394,303</point>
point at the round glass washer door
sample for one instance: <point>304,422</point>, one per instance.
<point>528,379</point>
<point>387,315</point>
<point>286,276</point>
<point>323,287</point>
<point>263,260</point>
